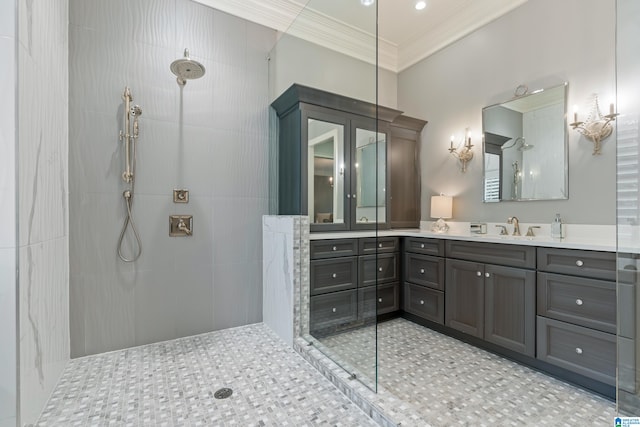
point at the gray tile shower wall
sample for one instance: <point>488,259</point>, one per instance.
<point>210,136</point>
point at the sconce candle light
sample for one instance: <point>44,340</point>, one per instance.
<point>464,153</point>
<point>596,127</point>
<point>441,207</point>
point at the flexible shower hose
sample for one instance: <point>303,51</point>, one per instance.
<point>128,199</point>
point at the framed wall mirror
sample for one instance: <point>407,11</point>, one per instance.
<point>526,147</point>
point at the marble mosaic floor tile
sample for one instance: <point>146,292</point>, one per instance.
<point>173,384</point>
<point>452,383</point>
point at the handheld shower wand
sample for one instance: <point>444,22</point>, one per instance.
<point>130,138</point>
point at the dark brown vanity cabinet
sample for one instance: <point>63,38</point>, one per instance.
<point>424,278</point>
<point>352,281</point>
<point>491,301</point>
<point>346,163</point>
<point>577,311</point>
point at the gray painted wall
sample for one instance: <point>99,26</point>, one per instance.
<point>209,137</point>
<point>43,231</point>
<point>541,44</point>
<point>294,60</point>
<point>8,244</point>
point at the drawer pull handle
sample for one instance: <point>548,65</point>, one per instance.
<point>578,350</point>
<point>379,299</point>
<point>479,273</point>
<point>579,301</point>
<point>334,309</point>
<point>379,245</point>
<point>421,302</point>
<point>380,269</point>
<point>487,275</point>
<point>335,248</point>
<point>422,271</point>
<point>579,263</point>
<point>334,275</point>
<point>421,245</point>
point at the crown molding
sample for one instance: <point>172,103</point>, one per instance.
<point>293,18</point>
<point>467,21</point>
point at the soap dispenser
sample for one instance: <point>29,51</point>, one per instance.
<point>557,228</point>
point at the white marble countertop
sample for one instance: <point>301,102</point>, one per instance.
<point>578,236</point>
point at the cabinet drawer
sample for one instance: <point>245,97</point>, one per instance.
<point>332,310</point>
<point>373,245</point>
<point>333,248</point>
<point>424,270</point>
<point>381,268</point>
<point>424,302</point>
<point>330,275</point>
<point>421,245</point>
<point>593,264</point>
<point>582,350</point>
<point>492,253</point>
<point>585,302</point>
<point>375,300</point>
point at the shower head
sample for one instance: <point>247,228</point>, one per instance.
<point>186,69</point>
<point>135,111</point>
<point>525,146</point>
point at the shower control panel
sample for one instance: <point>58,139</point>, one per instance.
<point>181,196</point>
<point>180,225</point>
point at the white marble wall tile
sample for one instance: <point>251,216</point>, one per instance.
<point>44,322</point>
<point>277,275</point>
<point>43,200</point>
<point>7,139</point>
<point>8,363</point>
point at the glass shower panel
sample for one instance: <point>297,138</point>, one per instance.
<point>316,51</point>
<point>628,205</point>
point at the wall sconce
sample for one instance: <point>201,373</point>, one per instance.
<point>441,207</point>
<point>464,153</point>
<point>597,127</point>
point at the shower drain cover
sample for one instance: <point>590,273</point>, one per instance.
<point>223,393</point>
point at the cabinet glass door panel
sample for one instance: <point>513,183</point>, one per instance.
<point>326,172</point>
<point>370,178</point>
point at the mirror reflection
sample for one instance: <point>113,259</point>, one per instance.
<point>371,149</point>
<point>525,147</point>
<point>326,172</point>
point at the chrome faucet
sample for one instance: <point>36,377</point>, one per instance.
<point>516,225</point>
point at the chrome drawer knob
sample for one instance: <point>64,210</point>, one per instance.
<point>579,301</point>
<point>334,309</point>
<point>335,248</point>
<point>578,350</point>
<point>479,273</point>
<point>421,302</point>
<point>334,275</point>
<point>579,263</point>
<point>422,271</point>
<point>379,245</point>
<point>379,299</point>
<point>421,245</point>
<point>380,269</point>
<point>487,275</point>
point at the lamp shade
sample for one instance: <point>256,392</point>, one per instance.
<point>441,206</point>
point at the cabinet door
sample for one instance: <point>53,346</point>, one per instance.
<point>510,305</point>
<point>368,173</point>
<point>464,297</point>
<point>326,182</point>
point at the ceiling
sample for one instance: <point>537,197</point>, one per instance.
<point>406,35</point>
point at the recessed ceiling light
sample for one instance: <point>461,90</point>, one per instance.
<point>367,2</point>
<point>421,4</point>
